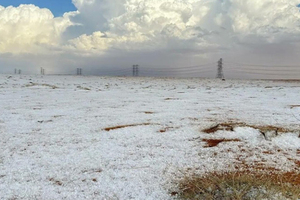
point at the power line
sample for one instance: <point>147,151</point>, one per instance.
<point>180,67</point>
<point>257,65</point>
<point>179,70</point>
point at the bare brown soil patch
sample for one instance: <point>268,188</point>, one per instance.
<point>215,142</point>
<point>163,130</point>
<point>268,128</point>
<point>297,162</point>
<point>268,152</point>
<point>125,126</point>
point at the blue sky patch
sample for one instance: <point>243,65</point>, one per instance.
<point>58,7</point>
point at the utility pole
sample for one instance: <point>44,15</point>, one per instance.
<point>220,73</point>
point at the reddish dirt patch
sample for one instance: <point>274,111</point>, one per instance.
<point>297,162</point>
<point>268,152</point>
<point>215,142</point>
<point>163,130</point>
<point>125,126</point>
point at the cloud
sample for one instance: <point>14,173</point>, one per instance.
<point>270,21</point>
<point>134,25</point>
<point>192,24</point>
<point>93,16</point>
<point>145,25</point>
<point>29,29</point>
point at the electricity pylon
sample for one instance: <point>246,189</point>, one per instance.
<point>220,73</point>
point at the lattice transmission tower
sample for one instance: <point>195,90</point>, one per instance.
<point>135,70</point>
<point>220,73</point>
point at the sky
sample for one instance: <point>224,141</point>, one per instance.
<point>256,39</point>
<point>57,7</point>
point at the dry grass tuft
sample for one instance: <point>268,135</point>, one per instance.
<point>215,142</point>
<point>240,185</point>
<point>149,112</point>
<point>229,126</point>
<point>169,99</point>
<point>294,106</point>
<point>96,170</point>
<point>83,88</point>
<point>31,84</point>
<point>56,182</point>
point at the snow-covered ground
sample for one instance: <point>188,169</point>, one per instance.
<point>55,143</point>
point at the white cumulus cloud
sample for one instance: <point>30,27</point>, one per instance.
<point>191,24</point>
<point>270,20</point>
<point>28,29</point>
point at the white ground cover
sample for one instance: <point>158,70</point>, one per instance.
<point>53,142</point>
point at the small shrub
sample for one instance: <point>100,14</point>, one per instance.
<point>241,185</point>
<point>230,126</point>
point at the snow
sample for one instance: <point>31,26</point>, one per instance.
<point>54,144</point>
